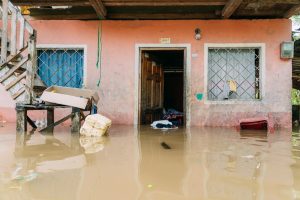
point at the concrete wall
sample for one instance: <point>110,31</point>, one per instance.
<point>118,63</point>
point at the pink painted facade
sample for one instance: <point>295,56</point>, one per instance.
<point>117,90</point>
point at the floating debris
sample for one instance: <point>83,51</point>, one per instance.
<point>26,178</point>
<point>150,186</point>
<point>248,156</point>
<point>165,145</point>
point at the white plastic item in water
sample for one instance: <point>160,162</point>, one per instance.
<point>95,125</point>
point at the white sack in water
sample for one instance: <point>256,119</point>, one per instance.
<point>165,122</point>
<point>95,125</point>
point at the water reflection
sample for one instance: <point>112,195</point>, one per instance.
<point>131,163</point>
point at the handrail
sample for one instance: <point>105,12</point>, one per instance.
<point>24,24</point>
<point>8,9</point>
<point>20,16</point>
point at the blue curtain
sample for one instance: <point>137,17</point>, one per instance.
<point>61,67</point>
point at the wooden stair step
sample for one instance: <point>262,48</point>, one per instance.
<point>20,70</point>
<point>12,71</point>
<point>10,65</point>
<point>16,95</point>
<point>14,82</point>
<point>16,58</point>
<point>13,57</point>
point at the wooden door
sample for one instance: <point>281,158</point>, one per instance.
<point>151,90</point>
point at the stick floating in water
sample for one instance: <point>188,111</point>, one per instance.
<point>165,145</point>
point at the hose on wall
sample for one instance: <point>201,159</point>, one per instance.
<point>99,52</point>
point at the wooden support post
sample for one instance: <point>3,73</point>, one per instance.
<point>31,68</point>
<point>21,120</point>
<point>13,37</point>
<point>22,32</point>
<point>4,39</point>
<point>50,118</point>
<point>20,141</point>
<point>76,121</point>
<point>75,143</point>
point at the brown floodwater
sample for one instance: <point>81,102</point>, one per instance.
<point>141,163</point>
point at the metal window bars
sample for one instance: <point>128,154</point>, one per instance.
<point>240,65</point>
<point>61,66</point>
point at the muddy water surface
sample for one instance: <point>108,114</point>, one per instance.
<point>141,163</point>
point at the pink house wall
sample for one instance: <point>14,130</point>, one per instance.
<point>118,63</point>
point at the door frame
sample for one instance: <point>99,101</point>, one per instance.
<point>187,77</point>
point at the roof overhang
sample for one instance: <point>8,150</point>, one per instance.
<point>161,9</point>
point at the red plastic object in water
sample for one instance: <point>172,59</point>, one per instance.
<point>257,123</point>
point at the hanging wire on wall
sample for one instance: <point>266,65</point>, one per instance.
<point>99,52</point>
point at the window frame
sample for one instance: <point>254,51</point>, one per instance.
<point>66,46</point>
<point>262,52</point>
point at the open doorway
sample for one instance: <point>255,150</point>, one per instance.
<point>162,85</point>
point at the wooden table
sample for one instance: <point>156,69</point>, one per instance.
<point>22,117</point>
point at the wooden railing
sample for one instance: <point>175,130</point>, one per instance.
<point>21,40</point>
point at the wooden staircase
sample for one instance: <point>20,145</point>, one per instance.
<point>18,55</point>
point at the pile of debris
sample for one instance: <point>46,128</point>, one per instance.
<point>172,119</point>
<point>80,100</point>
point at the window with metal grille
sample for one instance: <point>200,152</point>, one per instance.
<point>61,66</point>
<point>233,73</point>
